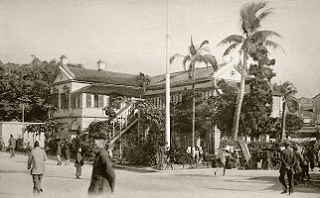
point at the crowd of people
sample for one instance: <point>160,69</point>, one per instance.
<point>294,162</point>
<point>103,175</point>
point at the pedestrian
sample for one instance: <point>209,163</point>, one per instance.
<point>297,165</point>
<point>286,168</point>
<point>103,176</point>
<point>59,152</point>
<point>109,149</point>
<point>237,157</point>
<point>318,157</point>
<point>28,148</point>
<point>67,152</point>
<point>305,168</point>
<point>78,163</point>
<point>221,160</point>
<point>266,159</point>
<point>312,156</point>
<point>12,145</point>
<point>197,155</point>
<point>36,161</point>
<point>2,145</point>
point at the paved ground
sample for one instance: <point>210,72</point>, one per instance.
<point>59,181</point>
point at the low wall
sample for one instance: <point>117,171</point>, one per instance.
<point>16,129</point>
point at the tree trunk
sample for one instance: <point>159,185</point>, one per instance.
<point>283,124</point>
<point>236,117</point>
<point>193,118</point>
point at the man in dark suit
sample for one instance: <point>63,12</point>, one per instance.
<point>286,168</point>
<point>103,176</point>
<point>11,145</point>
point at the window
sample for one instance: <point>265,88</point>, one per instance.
<point>96,101</point>
<point>100,100</point>
<point>76,101</point>
<point>79,101</point>
<point>73,101</point>
<point>55,99</point>
<point>65,100</point>
<point>89,100</point>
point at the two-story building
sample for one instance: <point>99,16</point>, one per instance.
<point>81,95</point>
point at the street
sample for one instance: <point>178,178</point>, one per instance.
<point>60,181</point>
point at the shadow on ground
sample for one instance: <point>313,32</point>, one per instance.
<point>302,187</point>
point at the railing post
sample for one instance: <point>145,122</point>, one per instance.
<point>113,129</point>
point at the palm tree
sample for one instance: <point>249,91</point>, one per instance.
<point>289,103</point>
<point>196,55</point>
<point>248,44</point>
<point>143,81</point>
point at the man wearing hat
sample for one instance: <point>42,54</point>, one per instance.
<point>286,168</point>
<point>103,176</point>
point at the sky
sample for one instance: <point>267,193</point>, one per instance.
<point>130,36</point>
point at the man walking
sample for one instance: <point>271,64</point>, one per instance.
<point>286,168</point>
<point>36,161</point>
<point>102,174</point>
<point>222,160</point>
<point>12,144</point>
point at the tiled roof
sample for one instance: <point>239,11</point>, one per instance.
<point>96,76</point>
<point>112,90</point>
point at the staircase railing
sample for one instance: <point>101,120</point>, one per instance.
<point>123,120</point>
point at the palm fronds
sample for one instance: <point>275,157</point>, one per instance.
<point>232,39</point>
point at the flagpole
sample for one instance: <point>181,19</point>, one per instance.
<point>168,134</point>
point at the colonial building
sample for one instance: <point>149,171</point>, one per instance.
<point>82,95</point>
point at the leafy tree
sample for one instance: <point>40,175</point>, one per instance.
<point>250,42</point>
<point>196,55</point>
<point>218,109</point>
<point>225,108</point>
<point>257,104</point>
<point>143,81</point>
<point>27,84</point>
<point>183,115</point>
<point>293,123</point>
<point>289,103</point>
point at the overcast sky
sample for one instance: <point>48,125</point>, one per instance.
<point>130,35</point>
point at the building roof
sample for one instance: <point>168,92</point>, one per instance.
<point>116,83</point>
<point>112,90</point>
<point>101,76</point>
<point>182,76</point>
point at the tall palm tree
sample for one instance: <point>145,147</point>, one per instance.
<point>289,103</point>
<point>196,55</point>
<point>248,44</point>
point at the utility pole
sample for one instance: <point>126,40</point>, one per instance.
<point>168,134</point>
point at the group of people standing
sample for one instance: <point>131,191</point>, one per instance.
<point>295,164</point>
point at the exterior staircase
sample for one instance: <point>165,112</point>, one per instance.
<point>124,120</point>
<point>245,150</point>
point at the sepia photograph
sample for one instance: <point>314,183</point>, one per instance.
<point>159,98</point>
